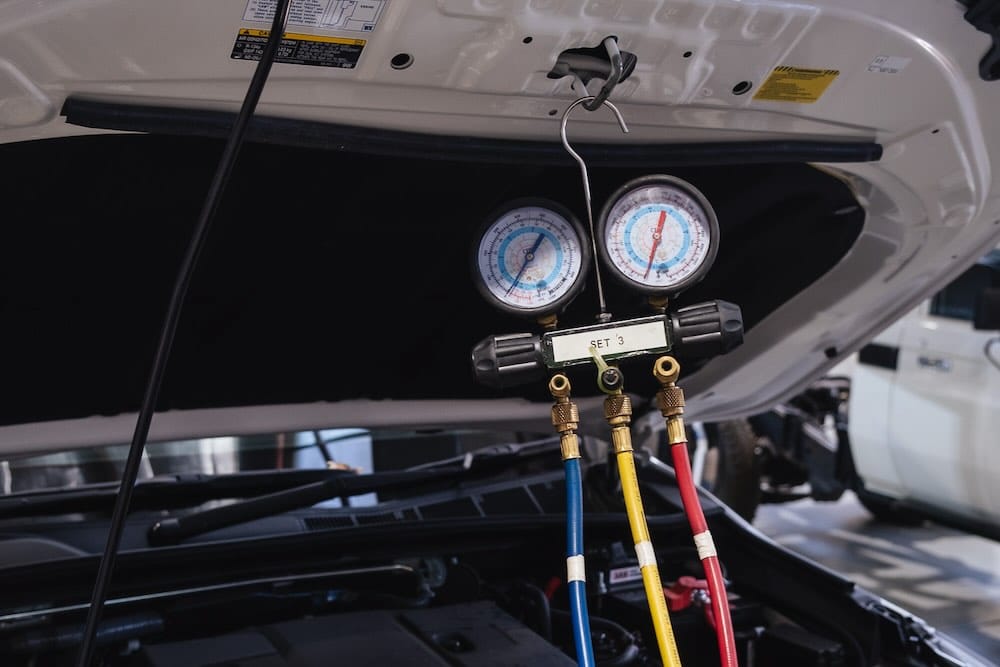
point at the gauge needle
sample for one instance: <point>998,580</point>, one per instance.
<point>656,241</point>
<point>528,256</point>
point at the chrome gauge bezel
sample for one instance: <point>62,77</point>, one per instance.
<point>583,254</point>
<point>695,196</point>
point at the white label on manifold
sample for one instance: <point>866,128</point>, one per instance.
<point>644,336</point>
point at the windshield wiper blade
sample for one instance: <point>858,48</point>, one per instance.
<point>475,464</point>
<point>162,492</point>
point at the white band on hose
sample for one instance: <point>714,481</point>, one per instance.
<point>644,552</point>
<point>576,570</point>
<point>705,545</point>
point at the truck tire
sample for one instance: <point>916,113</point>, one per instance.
<point>735,477</point>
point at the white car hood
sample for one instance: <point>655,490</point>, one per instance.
<point>902,76</point>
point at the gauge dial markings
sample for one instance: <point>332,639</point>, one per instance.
<point>676,236</point>
<point>658,234</point>
<point>530,258</point>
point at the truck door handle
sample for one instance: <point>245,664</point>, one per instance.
<point>937,363</point>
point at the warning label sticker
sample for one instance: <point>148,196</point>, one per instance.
<point>888,64</point>
<point>623,575</point>
<point>299,49</point>
<point>355,15</point>
<point>795,84</point>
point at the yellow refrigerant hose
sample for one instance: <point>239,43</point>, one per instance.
<point>618,413</point>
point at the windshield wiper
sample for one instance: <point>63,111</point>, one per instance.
<point>162,492</point>
<point>483,462</point>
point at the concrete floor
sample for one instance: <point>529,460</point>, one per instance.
<point>948,578</point>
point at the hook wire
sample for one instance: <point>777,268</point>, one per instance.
<point>604,316</point>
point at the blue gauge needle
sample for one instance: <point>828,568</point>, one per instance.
<point>528,256</point>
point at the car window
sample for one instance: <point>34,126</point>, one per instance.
<point>958,299</point>
<point>359,449</point>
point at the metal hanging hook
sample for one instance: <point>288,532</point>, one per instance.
<point>604,316</point>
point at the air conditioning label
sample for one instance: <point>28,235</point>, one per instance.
<point>298,49</point>
<point>352,15</point>
<point>796,84</point>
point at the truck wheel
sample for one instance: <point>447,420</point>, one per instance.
<point>734,476</point>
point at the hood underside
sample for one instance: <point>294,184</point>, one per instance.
<point>328,275</point>
<point>848,149</point>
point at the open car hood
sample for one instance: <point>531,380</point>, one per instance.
<point>848,147</point>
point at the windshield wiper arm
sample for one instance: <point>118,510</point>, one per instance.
<point>484,462</point>
<point>162,492</point>
<point>174,529</point>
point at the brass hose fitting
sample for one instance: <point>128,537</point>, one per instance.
<point>617,405</point>
<point>658,303</point>
<point>548,322</point>
<point>618,413</point>
<point>670,398</point>
<point>565,417</point>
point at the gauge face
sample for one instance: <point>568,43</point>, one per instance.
<point>658,234</point>
<point>530,258</point>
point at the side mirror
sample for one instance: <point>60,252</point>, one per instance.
<point>987,313</point>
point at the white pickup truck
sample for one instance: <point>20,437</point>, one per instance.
<point>910,423</point>
<point>924,409</point>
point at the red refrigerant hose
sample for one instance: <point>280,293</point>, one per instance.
<point>706,551</point>
<point>671,402</point>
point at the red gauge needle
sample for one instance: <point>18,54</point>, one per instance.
<point>656,241</point>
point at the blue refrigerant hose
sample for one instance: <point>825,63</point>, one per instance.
<point>575,565</point>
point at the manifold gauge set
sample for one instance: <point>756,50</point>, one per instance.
<point>657,234</point>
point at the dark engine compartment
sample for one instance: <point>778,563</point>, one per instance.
<point>462,576</point>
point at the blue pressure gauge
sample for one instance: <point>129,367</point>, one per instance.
<point>531,258</point>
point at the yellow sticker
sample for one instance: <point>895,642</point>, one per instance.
<point>796,84</point>
<point>254,32</point>
<point>300,49</point>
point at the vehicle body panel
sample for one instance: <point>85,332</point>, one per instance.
<point>935,445</point>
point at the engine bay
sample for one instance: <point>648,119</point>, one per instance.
<point>446,576</point>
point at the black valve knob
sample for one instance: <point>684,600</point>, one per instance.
<point>706,329</point>
<point>508,360</point>
<point>611,379</point>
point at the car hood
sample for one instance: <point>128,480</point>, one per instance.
<point>847,147</point>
